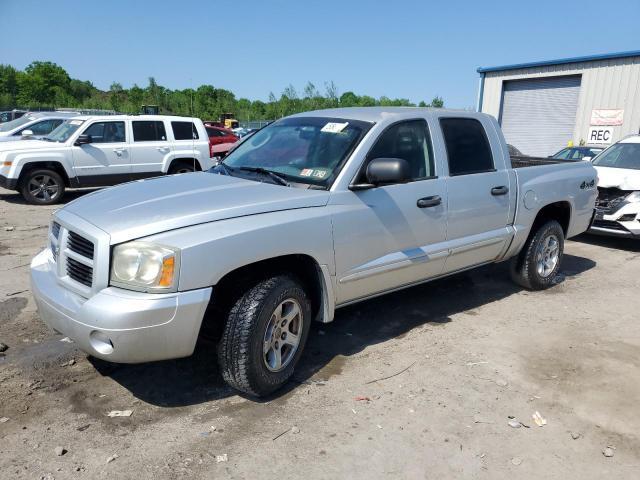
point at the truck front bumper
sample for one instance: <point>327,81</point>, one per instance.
<point>119,325</point>
<point>625,222</point>
<point>8,183</point>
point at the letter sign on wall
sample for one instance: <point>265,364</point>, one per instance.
<point>600,135</point>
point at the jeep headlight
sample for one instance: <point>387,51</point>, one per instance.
<point>633,197</point>
<point>145,267</point>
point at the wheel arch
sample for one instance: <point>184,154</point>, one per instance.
<point>48,164</point>
<point>313,276</point>
<point>184,160</point>
<point>559,211</point>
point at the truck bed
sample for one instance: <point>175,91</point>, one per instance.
<point>521,161</point>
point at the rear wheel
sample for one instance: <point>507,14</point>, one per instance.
<point>265,335</point>
<point>181,167</point>
<point>42,187</point>
<point>539,261</point>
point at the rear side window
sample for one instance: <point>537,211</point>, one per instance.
<point>106,132</point>
<point>467,145</point>
<point>184,131</point>
<point>148,131</point>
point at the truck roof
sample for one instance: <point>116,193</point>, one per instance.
<point>377,114</point>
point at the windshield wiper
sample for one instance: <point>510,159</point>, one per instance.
<point>225,167</point>
<point>276,177</point>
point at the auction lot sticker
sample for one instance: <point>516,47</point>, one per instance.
<point>333,127</point>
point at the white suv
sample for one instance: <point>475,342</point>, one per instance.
<point>90,151</point>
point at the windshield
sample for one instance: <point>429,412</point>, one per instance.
<point>64,131</point>
<point>620,155</point>
<point>304,150</point>
<point>18,122</point>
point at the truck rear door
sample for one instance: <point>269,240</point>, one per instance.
<point>479,196</point>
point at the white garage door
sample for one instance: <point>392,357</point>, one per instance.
<point>538,115</point>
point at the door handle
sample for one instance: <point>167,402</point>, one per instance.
<point>502,190</point>
<point>427,202</point>
<point>118,151</point>
<point>162,149</point>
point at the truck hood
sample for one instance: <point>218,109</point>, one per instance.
<point>622,178</point>
<point>146,207</point>
<point>22,145</point>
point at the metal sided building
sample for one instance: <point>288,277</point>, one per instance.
<point>543,106</point>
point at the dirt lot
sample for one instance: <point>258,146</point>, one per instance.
<point>468,351</point>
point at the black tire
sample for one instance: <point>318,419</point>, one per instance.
<point>524,267</point>
<point>42,186</point>
<point>181,167</point>
<point>240,351</point>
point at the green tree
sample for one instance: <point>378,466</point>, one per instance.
<point>437,102</point>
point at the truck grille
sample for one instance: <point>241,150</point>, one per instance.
<point>610,200</point>
<point>80,245</point>
<point>80,272</point>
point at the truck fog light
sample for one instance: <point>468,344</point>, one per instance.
<point>629,217</point>
<point>100,342</point>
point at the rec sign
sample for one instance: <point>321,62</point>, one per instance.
<point>600,135</point>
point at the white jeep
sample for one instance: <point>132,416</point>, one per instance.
<point>92,151</point>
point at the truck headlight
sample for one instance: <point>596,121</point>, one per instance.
<point>633,197</point>
<point>145,267</point>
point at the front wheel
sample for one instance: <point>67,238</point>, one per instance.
<point>264,336</point>
<point>42,187</point>
<point>539,261</point>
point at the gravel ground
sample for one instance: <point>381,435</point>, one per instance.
<point>463,355</point>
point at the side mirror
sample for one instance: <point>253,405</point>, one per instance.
<point>26,133</point>
<point>384,171</point>
<point>83,140</point>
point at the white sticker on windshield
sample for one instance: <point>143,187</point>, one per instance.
<point>306,172</point>
<point>333,127</point>
<point>76,122</point>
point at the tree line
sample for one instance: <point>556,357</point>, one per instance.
<point>48,85</point>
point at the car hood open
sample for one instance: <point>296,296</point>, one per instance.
<point>146,207</point>
<point>622,178</point>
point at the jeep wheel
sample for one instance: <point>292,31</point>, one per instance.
<point>181,167</point>
<point>42,187</point>
<point>538,263</point>
<point>264,336</point>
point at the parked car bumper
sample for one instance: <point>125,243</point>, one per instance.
<point>119,325</point>
<point>623,223</point>
<point>8,183</point>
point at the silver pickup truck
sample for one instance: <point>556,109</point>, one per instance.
<point>314,212</point>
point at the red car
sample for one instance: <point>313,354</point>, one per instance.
<point>220,140</point>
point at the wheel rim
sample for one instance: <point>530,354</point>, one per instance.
<point>547,256</point>
<point>282,336</point>
<point>44,187</point>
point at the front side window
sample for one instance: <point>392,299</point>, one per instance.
<point>467,145</point>
<point>307,150</point>
<point>148,131</point>
<point>620,155</point>
<point>106,132</point>
<point>42,128</point>
<point>409,141</point>
<point>184,131</point>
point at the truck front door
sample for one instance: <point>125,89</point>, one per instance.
<point>390,236</point>
<point>478,193</point>
<point>104,161</point>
